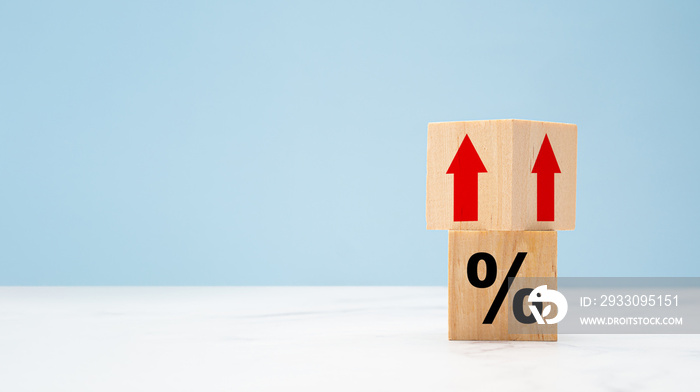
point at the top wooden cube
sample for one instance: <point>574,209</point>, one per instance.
<point>501,175</point>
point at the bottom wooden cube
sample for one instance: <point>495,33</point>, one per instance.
<point>479,264</point>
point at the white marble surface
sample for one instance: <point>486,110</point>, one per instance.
<point>302,338</point>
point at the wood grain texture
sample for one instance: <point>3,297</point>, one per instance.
<point>468,305</point>
<point>508,191</point>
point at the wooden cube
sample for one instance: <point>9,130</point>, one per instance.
<point>479,264</point>
<point>501,175</point>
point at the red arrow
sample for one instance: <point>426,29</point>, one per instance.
<point>545,167</point>
<point>466,167</point>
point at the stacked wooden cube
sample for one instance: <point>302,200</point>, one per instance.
<point>501,187</point>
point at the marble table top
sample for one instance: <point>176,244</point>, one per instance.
<point>302,338</point>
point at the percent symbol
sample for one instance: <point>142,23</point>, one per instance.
<point>490,278</point>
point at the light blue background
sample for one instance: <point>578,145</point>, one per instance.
<point>210,143</point>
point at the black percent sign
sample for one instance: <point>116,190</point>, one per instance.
<point>490,278</point>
